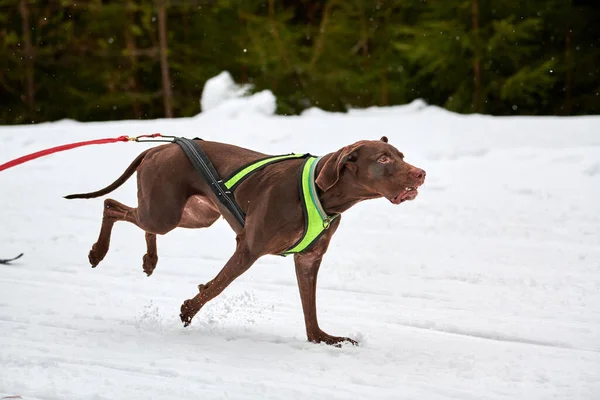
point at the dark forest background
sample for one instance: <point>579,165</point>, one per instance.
<point>105,60</point>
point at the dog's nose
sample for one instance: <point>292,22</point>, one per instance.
<point>418,174</point>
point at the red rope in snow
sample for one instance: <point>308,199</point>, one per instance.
<point>70,146</point>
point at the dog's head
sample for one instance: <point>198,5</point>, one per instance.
<point>377,167</point>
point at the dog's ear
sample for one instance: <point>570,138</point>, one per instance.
<point>330,173</point>
<point>384,139</point>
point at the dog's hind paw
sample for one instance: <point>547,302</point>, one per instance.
<point>96,255</point>
<point>149,264</point>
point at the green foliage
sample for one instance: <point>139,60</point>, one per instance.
<point>98,59</point>
<point>529,85</point>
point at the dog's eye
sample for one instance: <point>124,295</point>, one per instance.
<point>384,159</point>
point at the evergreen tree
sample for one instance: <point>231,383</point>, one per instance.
<point>99,59</point>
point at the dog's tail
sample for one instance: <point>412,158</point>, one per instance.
<point>120,180</point>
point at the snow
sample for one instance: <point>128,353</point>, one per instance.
<point>487,286</point>
<point>223,98</point>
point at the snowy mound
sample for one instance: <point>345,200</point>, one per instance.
<point>413,107</point>
<point>222,96</point>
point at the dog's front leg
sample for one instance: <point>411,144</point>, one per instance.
<point>239,263</point>
<point>307,269</point>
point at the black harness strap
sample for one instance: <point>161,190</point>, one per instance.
<point>203,165</point>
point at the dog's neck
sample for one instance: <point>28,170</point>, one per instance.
<point>345,193</point>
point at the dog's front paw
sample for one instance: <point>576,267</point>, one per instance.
<point>187,312</point>
<point>337,341</point>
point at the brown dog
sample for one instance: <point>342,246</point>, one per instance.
<point>171,194</point>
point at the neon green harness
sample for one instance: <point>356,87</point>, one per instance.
<point>316,219</point>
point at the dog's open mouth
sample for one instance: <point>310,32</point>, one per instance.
<point>408,193</point>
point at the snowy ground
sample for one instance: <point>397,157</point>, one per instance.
<point>485,287</point>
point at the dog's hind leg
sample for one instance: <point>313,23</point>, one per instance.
<point>199,212</point>
<point>113,212</point>
<point>150,259</point>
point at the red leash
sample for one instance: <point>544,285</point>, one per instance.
<point>64,147</point>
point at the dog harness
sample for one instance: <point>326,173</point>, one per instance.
<point>316,220</point>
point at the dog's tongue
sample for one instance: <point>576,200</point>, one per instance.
<point>408,194</point>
